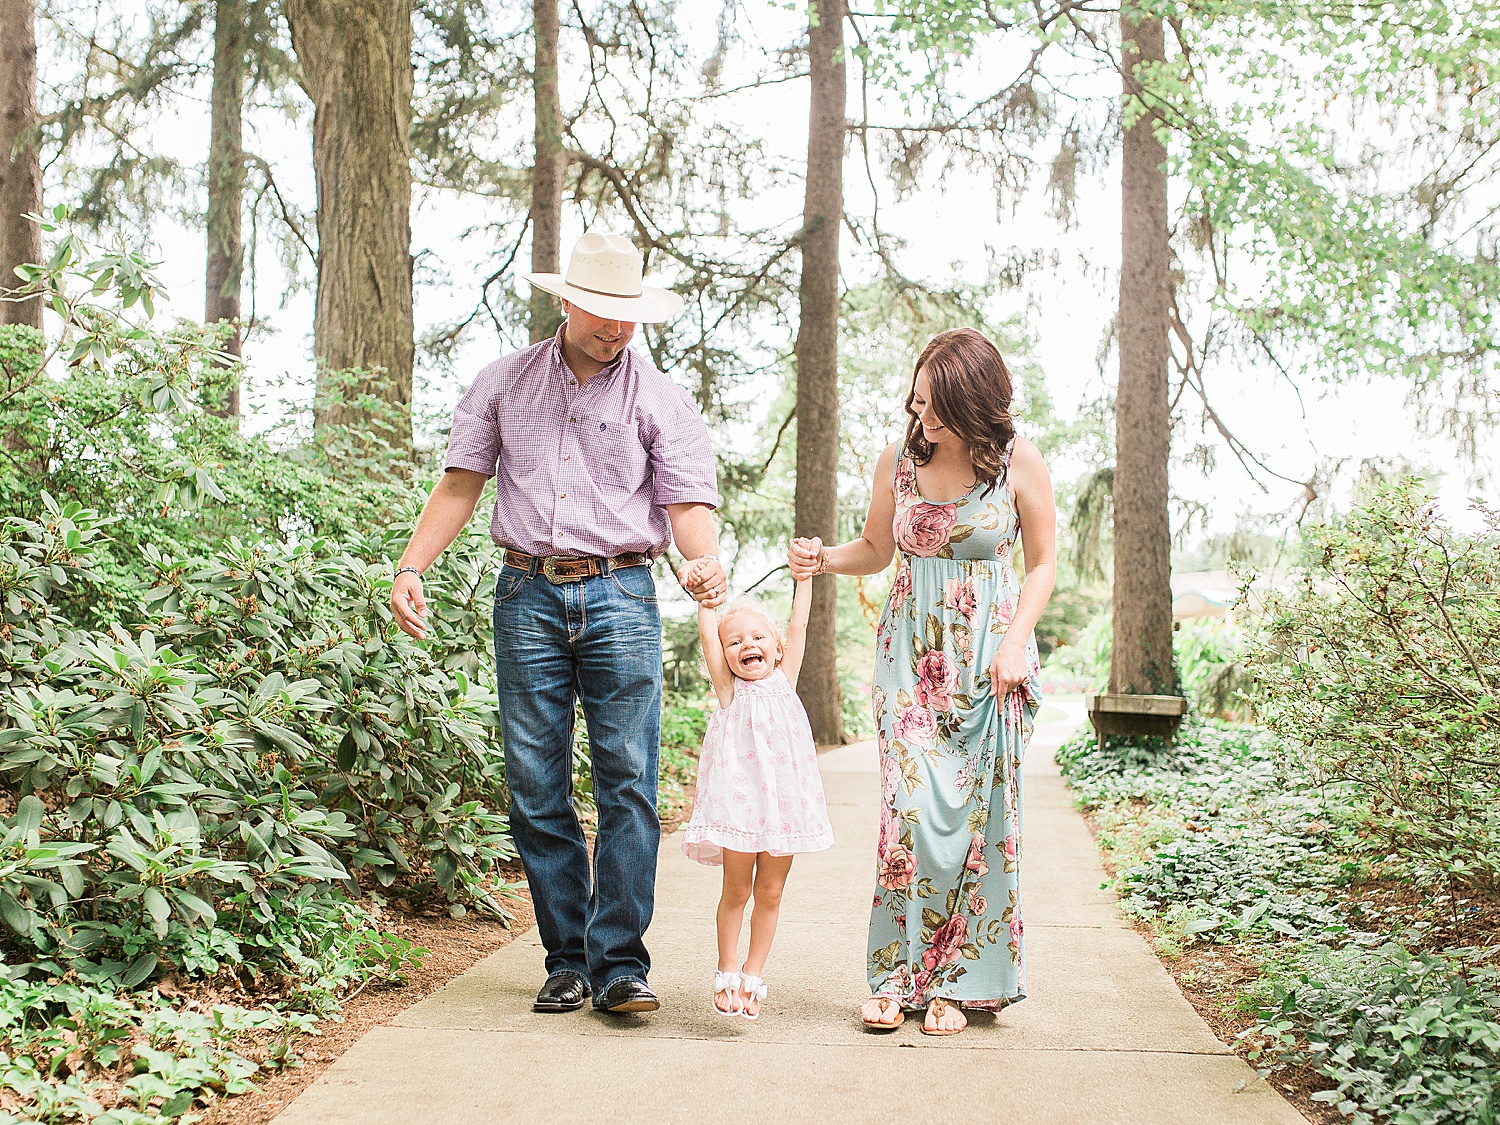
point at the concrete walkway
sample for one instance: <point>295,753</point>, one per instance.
<point>1105,1036</point>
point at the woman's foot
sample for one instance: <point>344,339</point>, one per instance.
<point>883,1013</point>
<point>943,1018</point>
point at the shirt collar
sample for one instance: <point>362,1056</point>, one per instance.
<point>609,371</point>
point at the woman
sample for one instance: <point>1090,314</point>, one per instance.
<point>956,685</point>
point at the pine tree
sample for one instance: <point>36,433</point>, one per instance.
<point>817,498</point>
<point>1141,662</point>
<point>20,162</point>
<point>226,181</point>
<point>356,62</point>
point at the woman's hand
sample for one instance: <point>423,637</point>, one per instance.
<point>1009,670</point>
<point>802,557</point>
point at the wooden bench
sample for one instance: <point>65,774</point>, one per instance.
<point>1158,715</point>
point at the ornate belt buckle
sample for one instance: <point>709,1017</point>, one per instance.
<point>549,568</point>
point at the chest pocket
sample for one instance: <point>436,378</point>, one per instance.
<point>612,450</point>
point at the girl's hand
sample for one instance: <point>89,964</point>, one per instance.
<point>802,557</point>
<point>1009,670</point>
<point>705,582</point>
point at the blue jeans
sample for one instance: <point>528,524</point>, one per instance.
<point>598,640</point>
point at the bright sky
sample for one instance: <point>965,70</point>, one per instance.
<point>954,223</point>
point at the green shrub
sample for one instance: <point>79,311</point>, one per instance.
<point>1383,670</point>
<point>260,729</point>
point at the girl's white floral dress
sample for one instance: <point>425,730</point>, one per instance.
<point>759,789</point>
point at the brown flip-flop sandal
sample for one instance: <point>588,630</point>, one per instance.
<point>940,1008</point>
<point>881,1025</point>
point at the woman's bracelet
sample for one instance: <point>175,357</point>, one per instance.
<point>822,567</point>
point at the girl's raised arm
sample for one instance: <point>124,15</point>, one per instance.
<point>713,656</point>
<point>796,632</point>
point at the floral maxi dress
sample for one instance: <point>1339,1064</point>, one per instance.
<point>946,919</point>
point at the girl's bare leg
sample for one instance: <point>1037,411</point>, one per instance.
<point>770,878</point>
<point>739,879</point>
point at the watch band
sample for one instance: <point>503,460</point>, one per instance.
<point>407,570</point>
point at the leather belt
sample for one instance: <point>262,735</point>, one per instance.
<point>564,568</point>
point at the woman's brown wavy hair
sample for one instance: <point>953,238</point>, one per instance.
<point>971,393</point>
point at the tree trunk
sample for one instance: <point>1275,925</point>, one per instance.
<point>1142,654</point>
<point>547,171</point>
<point>226,181</point>
<point>817,507</point>
<point>20,165</point>
<point>355,59</point>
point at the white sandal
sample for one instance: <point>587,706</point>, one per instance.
<point>752,986</point>
<point>729,984</point>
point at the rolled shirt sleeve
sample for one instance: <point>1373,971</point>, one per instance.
<point>683,467</point>
<point>474,441</point>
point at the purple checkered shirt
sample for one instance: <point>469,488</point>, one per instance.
<point>582,469</point>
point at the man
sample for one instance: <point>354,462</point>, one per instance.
<point>598,460</point>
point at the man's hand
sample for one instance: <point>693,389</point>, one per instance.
<point>409,606</point>
<point>705,580</point>
<point>802,557</point>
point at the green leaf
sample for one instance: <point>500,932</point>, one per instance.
<point>156,905</point>
<point>141,968</point>
<point>16,916</point>
<point>29,813</point>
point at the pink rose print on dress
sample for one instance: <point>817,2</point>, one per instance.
<point>901,587</point>
<point>1010,848</point>
<point>975,861</point>
<point>963,640</point>
<point>1005,611</point>
<point>938,677</point>
<point>1002,549</point>
<point>923,529</point>
<point>888,832</point>
<point>915,725</point>
<point>1015,929</point>
<point>899,868</point>
<point>920,983</point>
<point>977,905</point>
<point>890,776</point>
<point>959,595</point>
<point>946,942</point>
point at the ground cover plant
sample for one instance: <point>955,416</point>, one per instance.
<point>1336,869</point>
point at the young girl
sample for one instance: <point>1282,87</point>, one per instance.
<point>760,797</point>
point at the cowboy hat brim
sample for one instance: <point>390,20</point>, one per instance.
<point>651,307</point>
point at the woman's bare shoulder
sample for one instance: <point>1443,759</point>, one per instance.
<point>1028,471</point>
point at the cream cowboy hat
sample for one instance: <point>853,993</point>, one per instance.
<point>604,278</point>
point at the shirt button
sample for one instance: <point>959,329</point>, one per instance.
<point>564,496</point>
<point>572,419</point>
<point>567,457</point>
